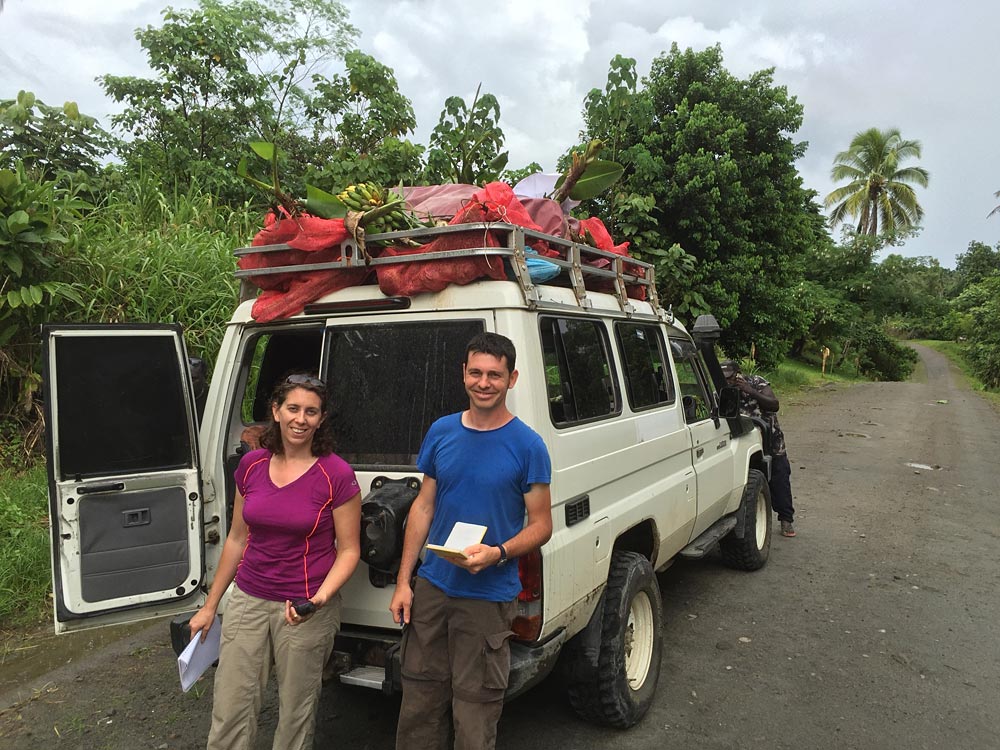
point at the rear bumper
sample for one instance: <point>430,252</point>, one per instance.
<point>357,657</point>
<point>371,658</point>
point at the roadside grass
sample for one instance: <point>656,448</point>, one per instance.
<point>24,548</point>
<point>154,257</point>
<point>793,376</point>
<point>145,255</point>
<point>953,351</point>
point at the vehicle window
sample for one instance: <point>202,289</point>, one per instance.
<point>690,381</point>
<point>274,355</point>
<point>126,416</point>
<point>647,381</point>
<point>389,382</point>
<point>578,372</point>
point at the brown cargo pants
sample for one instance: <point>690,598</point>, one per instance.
<point>455,654</point>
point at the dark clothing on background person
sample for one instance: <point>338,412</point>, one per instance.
<point>781,470</point>
<point>749,406</point>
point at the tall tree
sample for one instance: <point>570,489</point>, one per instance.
<point>997,209</point>
<point>360,120</point>
<point>879,190</point>
<point>710,186</point>
<point>225,73</point>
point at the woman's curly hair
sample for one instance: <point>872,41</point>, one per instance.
<point>322,442</point>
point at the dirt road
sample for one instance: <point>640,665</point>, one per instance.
<point>877,627</point>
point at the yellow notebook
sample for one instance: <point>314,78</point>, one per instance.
<point>462,535</point>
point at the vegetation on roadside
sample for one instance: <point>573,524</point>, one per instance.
<point>25,580</point>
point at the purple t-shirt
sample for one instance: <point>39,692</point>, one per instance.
<point>290,547</point>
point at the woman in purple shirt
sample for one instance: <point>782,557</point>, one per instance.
<point>294,541</point>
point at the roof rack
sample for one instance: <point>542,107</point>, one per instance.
<point>574,260</point>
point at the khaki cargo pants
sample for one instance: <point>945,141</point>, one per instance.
<point>455,654</point>
<point>254,632</point>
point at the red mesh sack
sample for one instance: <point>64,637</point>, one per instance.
<point>415,277</point>
<point>303,289</point>
<point>602,241</point>
<point>495,202</point>
<point>315,241</point>
<point>303,232</point>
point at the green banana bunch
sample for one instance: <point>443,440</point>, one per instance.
<point>383,210</point>
<point>362,197</point>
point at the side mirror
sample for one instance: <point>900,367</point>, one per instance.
<point>729,402</point>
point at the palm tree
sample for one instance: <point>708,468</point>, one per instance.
<point>995,195</point>
<point>879,191</point>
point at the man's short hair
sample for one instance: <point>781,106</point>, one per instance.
<point>730,364</point>
<point>493,344</point>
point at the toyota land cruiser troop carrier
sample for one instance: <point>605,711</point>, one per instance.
<point>650,458</point>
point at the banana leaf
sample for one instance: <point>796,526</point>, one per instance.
<point>596,178</point>
<point>323,204</point>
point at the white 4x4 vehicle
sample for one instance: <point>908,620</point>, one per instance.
<point>650,458</point>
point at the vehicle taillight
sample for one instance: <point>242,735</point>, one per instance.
<point>528,622</point>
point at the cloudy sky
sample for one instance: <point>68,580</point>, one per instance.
<point>929,68</point>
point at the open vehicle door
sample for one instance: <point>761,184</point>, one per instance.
<point>124,482</point>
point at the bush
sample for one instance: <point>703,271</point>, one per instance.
<point>155,257</point>
<point>879,356</point>
<point>24,548</point>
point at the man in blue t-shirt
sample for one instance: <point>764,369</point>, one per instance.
<point>482,466</point>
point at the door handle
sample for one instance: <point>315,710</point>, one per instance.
<point>699,452</point>
<point>114,487</point>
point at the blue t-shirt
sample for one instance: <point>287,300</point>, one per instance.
<point>482,477</point>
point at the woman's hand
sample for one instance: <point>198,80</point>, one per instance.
<point>292,617</point>
<point>202,621</point>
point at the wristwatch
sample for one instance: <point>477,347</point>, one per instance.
<point>503,555</point>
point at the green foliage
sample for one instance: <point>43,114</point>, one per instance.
<point>879,190</point>
<point>710,166</point>
<point>226,74</point>
<point>24,540</point>
<point>368,118</point>
<point>980,306</point>
<point>169,262</point>
<point>975,265</point>
<point>50,142</point>
<point>363,107</point>
<point>38,223</point>
<point>875,354</point>
<point>514,176</point>
<point>465,144</point>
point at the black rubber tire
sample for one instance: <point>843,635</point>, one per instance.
<point>754,514</point>
<point>631,641</point>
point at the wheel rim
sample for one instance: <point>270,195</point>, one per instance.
<point>760,521</point>
<point>639,641</point>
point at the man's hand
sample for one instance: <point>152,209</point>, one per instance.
<point>477,557</point>
<point>402,600</point>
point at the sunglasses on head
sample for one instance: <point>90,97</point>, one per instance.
<point>305,380</point>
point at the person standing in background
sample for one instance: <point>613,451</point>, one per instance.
<point>758,400</point>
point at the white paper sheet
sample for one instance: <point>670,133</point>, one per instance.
<point>198,656</point>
